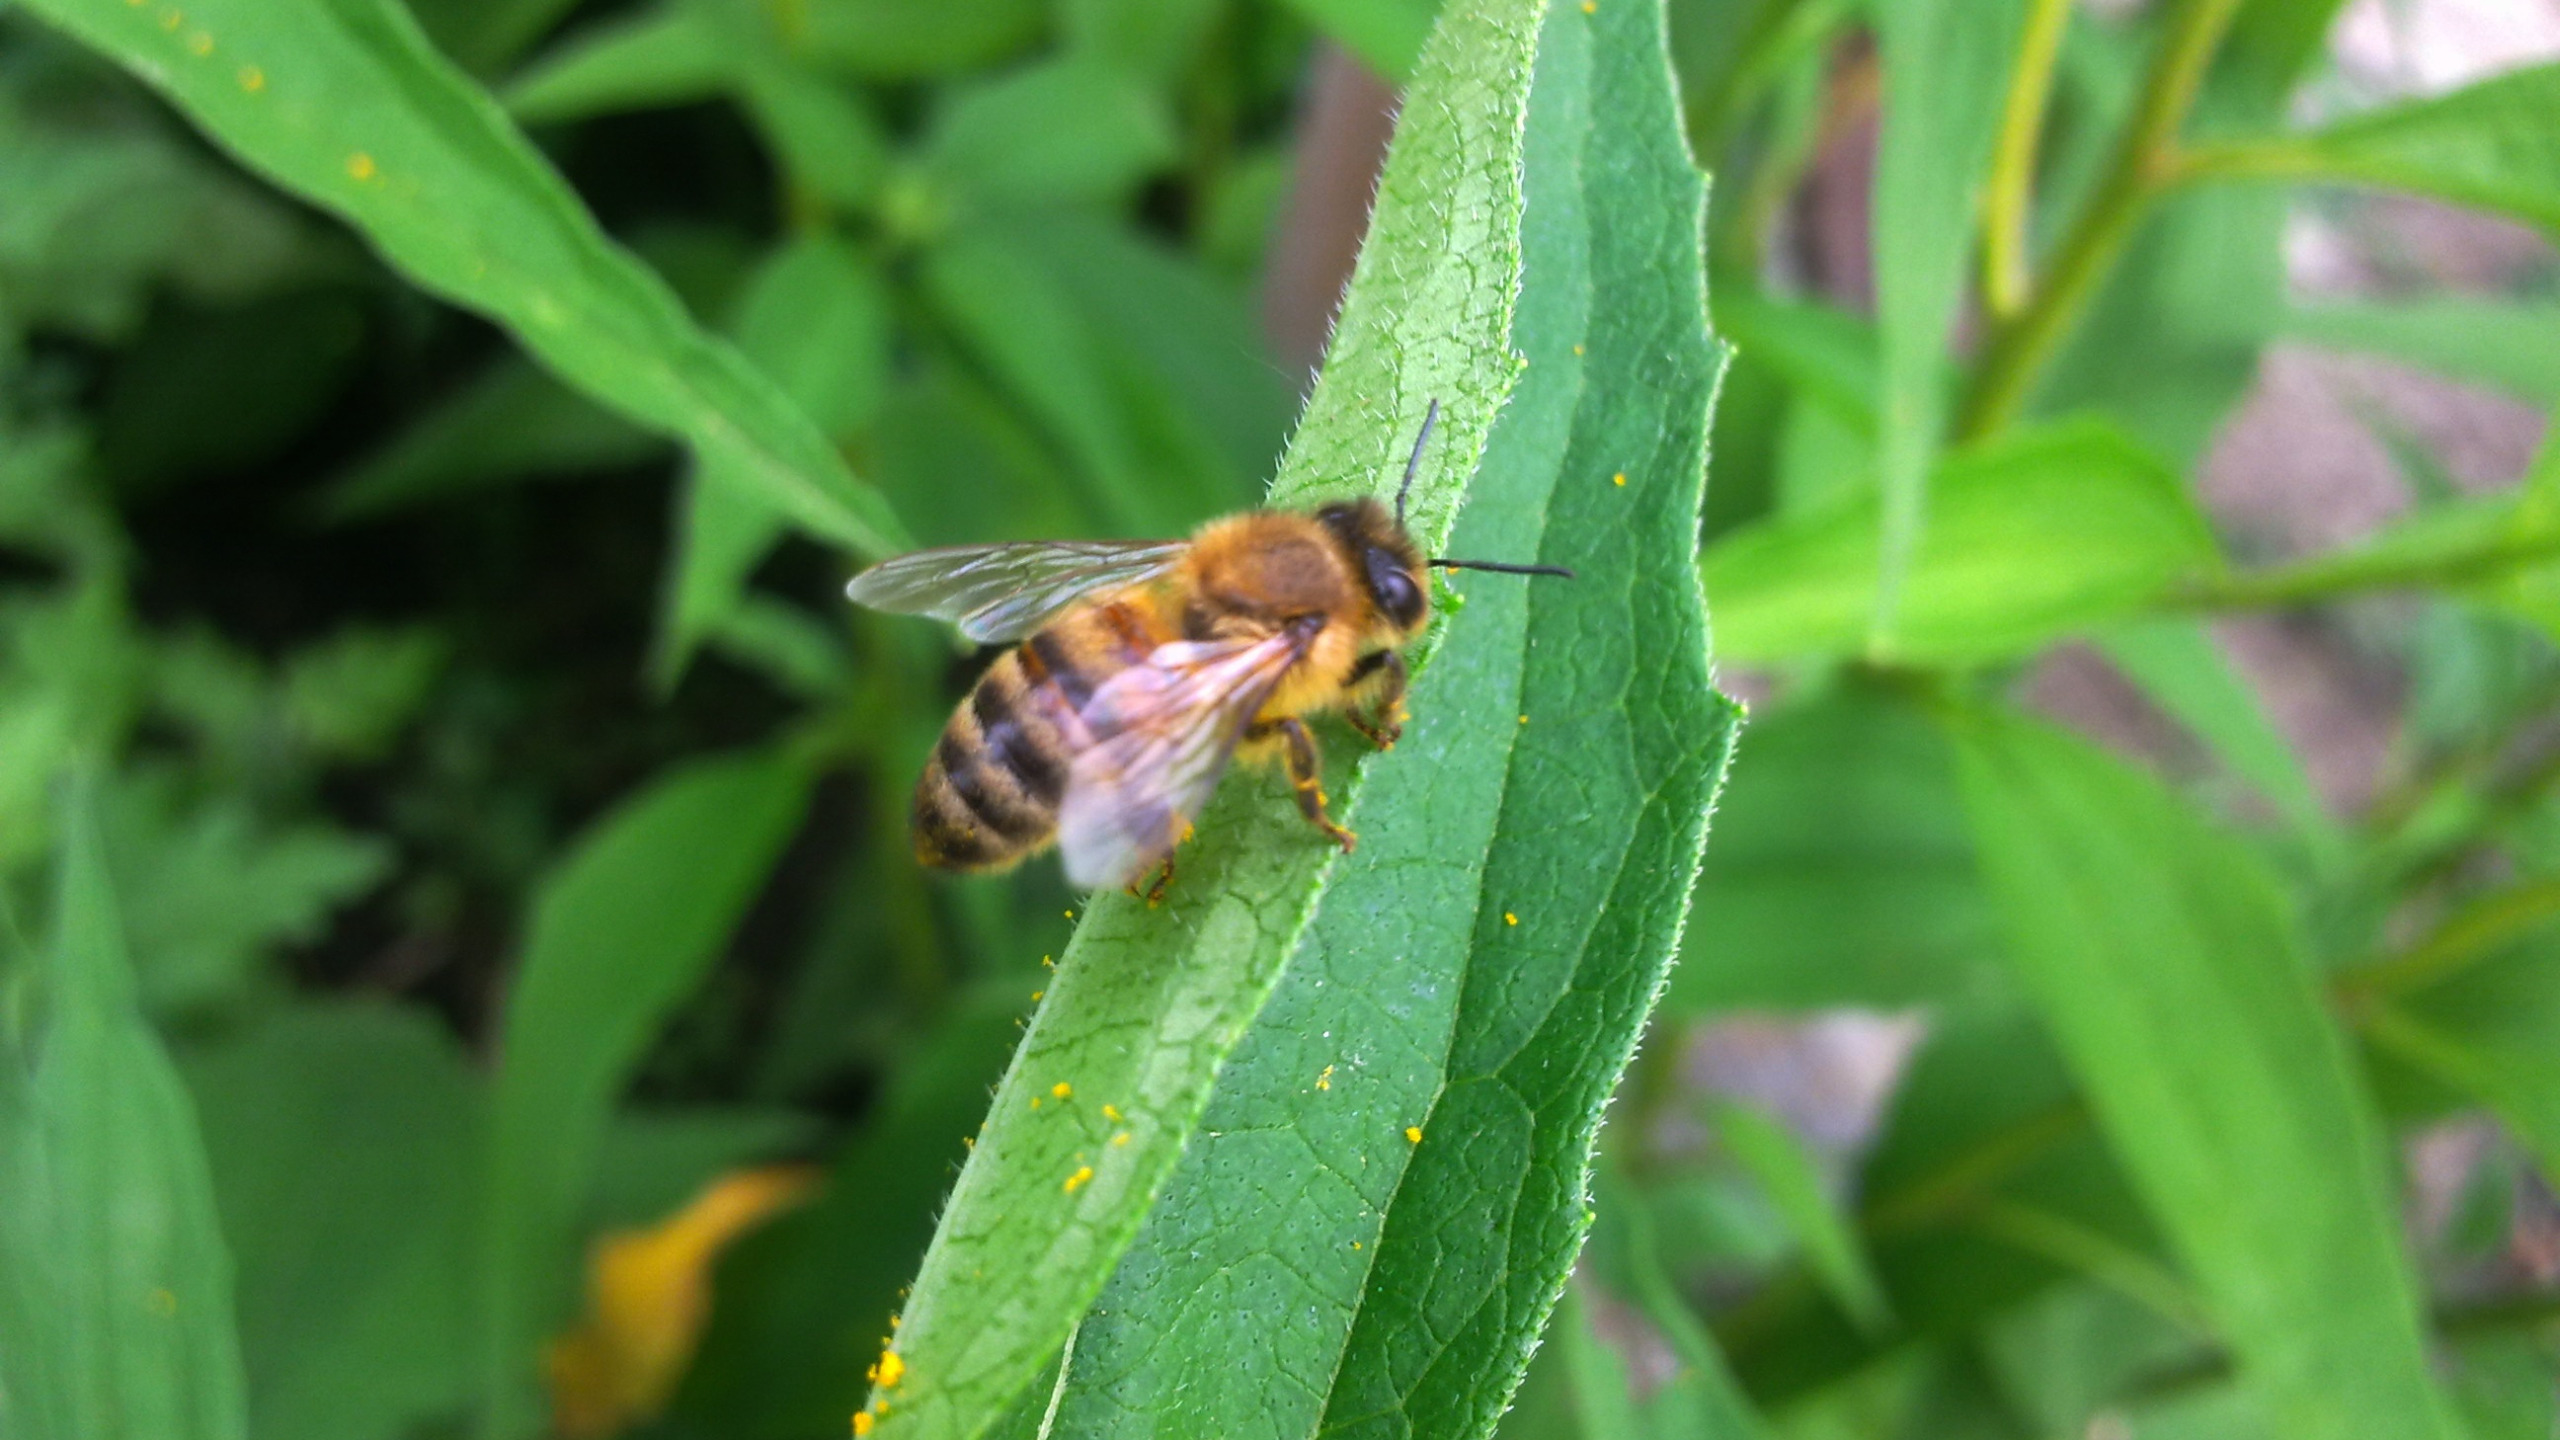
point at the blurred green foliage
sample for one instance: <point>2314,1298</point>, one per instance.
<point>447,814</point>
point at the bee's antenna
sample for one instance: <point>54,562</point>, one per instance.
<point>1496,565</point>
<point>1413,466</point>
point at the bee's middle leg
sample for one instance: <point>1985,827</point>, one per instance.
<point>1306,775</point>
<point>1382,677</point>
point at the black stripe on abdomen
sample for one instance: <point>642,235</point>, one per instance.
<point>1021,747</point>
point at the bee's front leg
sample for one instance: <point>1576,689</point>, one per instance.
<point>1383,676</point>
<point>1306,776</point>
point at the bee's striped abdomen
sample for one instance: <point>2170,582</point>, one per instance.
<point>990,794</point>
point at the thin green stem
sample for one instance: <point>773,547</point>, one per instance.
<point>2013,166</point>
<point>2316,581</point>
<point>2145,163</point>
<point>2477,932</point>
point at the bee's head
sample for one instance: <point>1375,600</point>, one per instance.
<point>1384,559</point>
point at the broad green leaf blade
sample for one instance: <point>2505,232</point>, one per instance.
<point>2165,965</point>
<point>2490,145</point>
<point>1385,34</point>
<point>115,1313</point>
<point>1148,1002</point>
<point>1604,805</point>
<point>2488,1032</point>
<point>815,317</point>
<point>1841,872</point>
<point>515,421</point>
<point>1074,128</point>
<point>344,1146</point>
<point>1489,851</point>
<point>620,935</point>
<point>2177,664</point>
<point>2031,537</point>
<point>345,104</point>
<point>667,55</point>
<point>1777,1161</point>
<point>1944,66</point>
<point>2509,343</point>
<point>902,40</point>
<point>1303,1145</point>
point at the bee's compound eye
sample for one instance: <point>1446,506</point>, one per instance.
<point>1397,594</point>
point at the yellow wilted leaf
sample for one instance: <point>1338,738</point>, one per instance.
<point>648,1296</point>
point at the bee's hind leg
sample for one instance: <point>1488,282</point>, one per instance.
<point>1306,778</point>
<point>1154,893</point>
<point>1382,675</point>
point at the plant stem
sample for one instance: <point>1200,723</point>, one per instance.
<point>2473,935</point>
<point>2329,579</point>
<point>2145,163</point>
<point>2013,166</point>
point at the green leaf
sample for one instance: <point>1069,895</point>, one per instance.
<point>1944,66</point>
<point>902,40</point>
<point>1478,968</point>
<point>2489,145</point>
<point>2487,1032</point>
<point>1387,35</point>
<point>212,890</point>
<point>515,421</point>
<point>803,1302</point>
<point>670,55</point>
<point>622,932</point>
<point>1776,1160</point>
<point>1067,129</point>
<point>1147,1003</point>
<point>816,319</point>
<point>1697,1399</point>
<point>1018,316</point>
<point>115,1289</point>
<point>2177,664</point>
<point>344,1141</point>
<point>2509,343</point>
<point>1841,873</point>
<point>344,103</point>
<point>2031,536</point>
<point>2164,962</point>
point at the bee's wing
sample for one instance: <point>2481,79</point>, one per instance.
<point>1004,592</point>
<point>1154,740</point>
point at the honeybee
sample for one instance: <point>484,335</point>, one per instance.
<point>1145,666</point>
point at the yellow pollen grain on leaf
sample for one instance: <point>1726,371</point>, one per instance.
<point>1619,479</point>
<point>1524,719</point>
<point>893,1322</point>
<point>360,166</point>
<point>862,1423</point>
<point>1120,1139</point>
<point>1049,961</point>
<point>1036,994</point>
<point>1110,1112</point>
<point>1590,7</point>
<point>892,1369</point>
<point>1577,349</point>
<point>170,20</point>
<point>1035,1102</point>
<point>1355,1244</point>
<point>969,1141</point>
<point>1510,919</point>
<point>252,79</point>
<point>1076,1181</point>
<point>1062,1089</point>
<point>1071,914</point>
<point>1325,1080</point>
<point>1413,1134</point>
